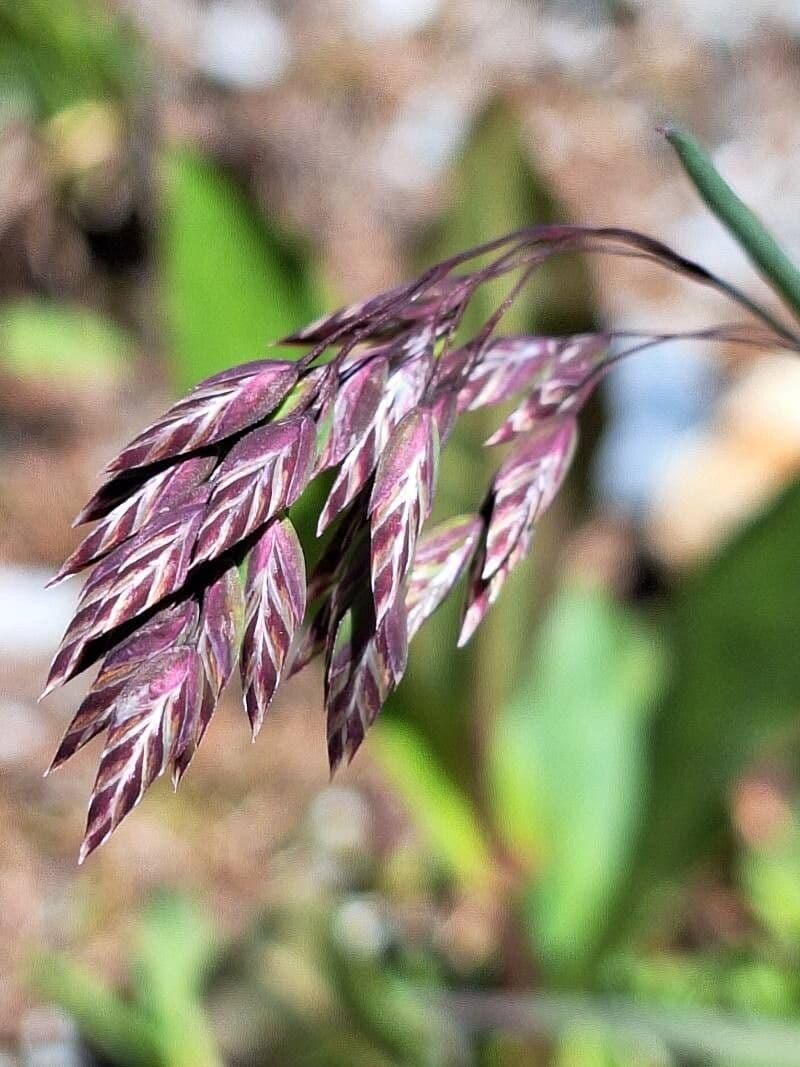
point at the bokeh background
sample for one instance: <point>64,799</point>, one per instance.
<point>576,842</point>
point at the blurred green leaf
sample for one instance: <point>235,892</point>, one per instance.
<point>701,979</point>
<point>674,979</point>
<point>770,875</point>
<point>232,282</point>
<point>568,766</point>
<point>175,945</point>
<point>394,1013</point>
<point>57,343</point>
<point>443,814</point>
<point>114,1027</point>
<point>164,1024</point>
<point>597,1046</point>
<point>764,988</point>
<point>174,951</point>
<point>338,992</point>
<point>736,629</point>
<point>693,1036</point>
<point>55,55</point>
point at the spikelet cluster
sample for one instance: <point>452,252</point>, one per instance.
<point>196,570</point>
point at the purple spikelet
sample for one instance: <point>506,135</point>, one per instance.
<point>403,390</point>
<point>138,574</point>
<point>142,738</point>
<point>218,408</point>
<point>217,637</point>
<point>164,630</point>
<point>263,474</point>
<point>525,486</point>
<point>401,500</point>
<point>275,604</point>
<point>160,493</point>
<point>441,558</point>
<point>195,566</point>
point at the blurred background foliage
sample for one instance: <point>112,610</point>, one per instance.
<point>575,843</point>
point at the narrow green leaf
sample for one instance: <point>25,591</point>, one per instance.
<point>745,226</point>
<point>232,282</point>
<point>443,814</point>
<point>53,342</point>
<point>771,876</point>
<point>568,768</point>
<point>53,56</point>
<point>164,1024</point>
<point>174,952</point>
<point>118,1029</point>
<point>174,947</point>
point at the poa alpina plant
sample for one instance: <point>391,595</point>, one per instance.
<point>195,564</point>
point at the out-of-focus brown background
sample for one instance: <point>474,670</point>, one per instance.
<point>589,821</point>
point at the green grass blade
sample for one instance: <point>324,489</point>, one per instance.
<point>116,1028</point>
<point>740,221</point>
<point>443,813</point>
<point>702,1036</point>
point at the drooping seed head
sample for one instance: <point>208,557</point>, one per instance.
<point>195,565</point>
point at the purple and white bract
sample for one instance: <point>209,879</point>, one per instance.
<point>142,738</point>
<point>196,566</point>
<point>402,495</point>
<point>216,409</point>
<point>441,558</point>
<point>525,486</point>
<point>274,608</point>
